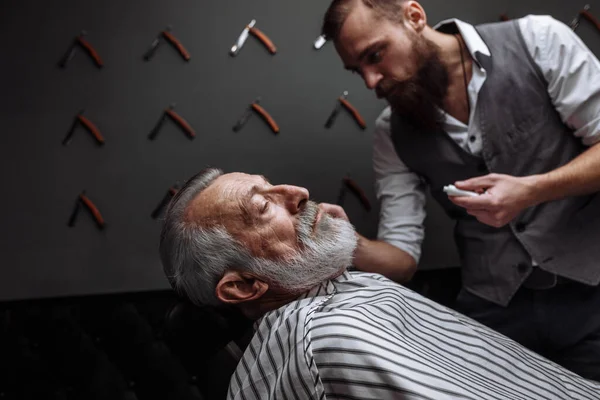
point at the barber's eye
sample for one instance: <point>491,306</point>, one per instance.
<point>375,57</point>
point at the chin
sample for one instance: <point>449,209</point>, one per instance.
<point>324,256</point>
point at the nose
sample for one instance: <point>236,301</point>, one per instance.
<point>372,78</point>
<point>292,197</point>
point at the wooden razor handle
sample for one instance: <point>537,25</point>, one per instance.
<point>93,209</point>
<point>92,128</point>
<point>353,186</point>
<point>92,52</point>
<point>182,122</point>
<point>264,38</point>
<point>591,18</point>
<point>184,53</point>
<point>266,116</point>
<point>359,119</point>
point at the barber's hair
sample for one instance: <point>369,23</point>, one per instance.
<point>195,257</point>
<point>339,10</point>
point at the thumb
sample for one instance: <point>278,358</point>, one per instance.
<point>476,184</point>
<point>333,210</point>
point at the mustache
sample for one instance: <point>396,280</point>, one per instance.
<point>385,88</point>
<point>306,221</point>
<point>391,86</point>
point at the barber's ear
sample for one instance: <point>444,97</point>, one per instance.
<point>239,287</point>
<point>414,16</point>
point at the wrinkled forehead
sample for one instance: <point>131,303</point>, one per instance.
<point>221,203</point>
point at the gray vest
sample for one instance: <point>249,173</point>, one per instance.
<point>522,135</point>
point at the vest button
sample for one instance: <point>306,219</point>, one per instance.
<point>472,139</point>
<point>481,167</point>
<point>520,227</point>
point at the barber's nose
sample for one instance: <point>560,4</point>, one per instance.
<point>372,78</point>
<point>293,197</point>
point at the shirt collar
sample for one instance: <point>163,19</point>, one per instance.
<point>325,288</point>
<point>474,42</point>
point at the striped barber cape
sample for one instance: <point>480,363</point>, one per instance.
<point>362,336</point>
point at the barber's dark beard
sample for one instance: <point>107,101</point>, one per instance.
<point>419,99</point>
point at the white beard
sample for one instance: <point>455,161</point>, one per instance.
<point>325,253</point>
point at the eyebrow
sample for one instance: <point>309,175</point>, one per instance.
<point>364,53</point>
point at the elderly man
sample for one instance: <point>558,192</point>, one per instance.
<point>511,111</point>
<point>323,332</point>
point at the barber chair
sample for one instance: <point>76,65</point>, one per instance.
<point>209,342</point>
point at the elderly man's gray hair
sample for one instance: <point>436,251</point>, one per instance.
<point>194,258</point>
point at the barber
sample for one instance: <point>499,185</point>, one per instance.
<point>510,111</point>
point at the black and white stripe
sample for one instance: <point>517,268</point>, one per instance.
<point>361,336</point>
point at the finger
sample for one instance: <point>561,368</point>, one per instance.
<point>480,215</point>
<point>333,210</point>
<point>488,218</point>
<point>482,202</point>
<point>477,184</point>
<point>483,217</point>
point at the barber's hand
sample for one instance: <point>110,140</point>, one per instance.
<point>333,210</point>
<point>502,197</point>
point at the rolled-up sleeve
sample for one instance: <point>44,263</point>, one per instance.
<point>400,192</point>
<point>571,70</point>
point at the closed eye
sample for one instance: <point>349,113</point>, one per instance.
<point>265,207</point>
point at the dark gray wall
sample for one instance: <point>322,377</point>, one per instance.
<point>42,257</point>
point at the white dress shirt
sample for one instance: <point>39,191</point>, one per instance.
<point>573,76</point>
<point>362,336</point>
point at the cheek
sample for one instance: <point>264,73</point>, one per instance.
<point>285,231</point>
<point>276,240</point>
<point>399,65</point>
<point>390,70</point>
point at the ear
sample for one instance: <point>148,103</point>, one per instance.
<point>240,287</point>
<point>415,16</point>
